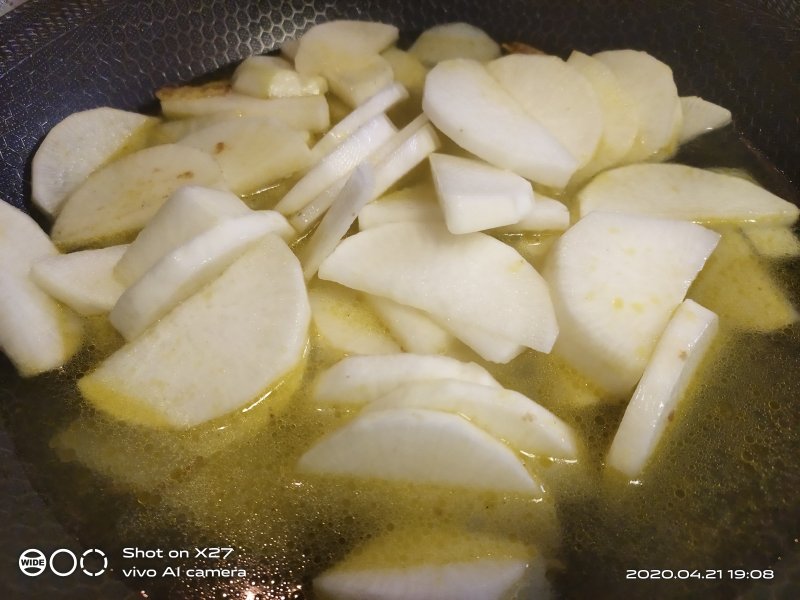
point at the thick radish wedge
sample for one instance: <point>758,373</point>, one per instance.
<point>78,146</point>
<point>555,95</point>
<point>118,200</point>
<point>454,40</point>
<point>186,269</point>
<point>475,196</point>
<point>411,564</point>
<point>217,352</point>
<point>361,379</point>
<point>679,192</point>
<point>507,415</point>
<point>253,152</point>
<point>472,279</point>
<point>470,107</point>
<point>422,447</point>
<point>652,88</point>
<point>546,214</point>
<point>676,358</point>
<point>358,79</point>
<point>615,281</point>
<point>489,345</point>
<point>36,333</point>
<point>347,324</point>
<point>700,116</point>
<point>417,203</point>
<point>190,211</point>
<point>413,329</point>
<point>84,280</point>
<point>273,77</point>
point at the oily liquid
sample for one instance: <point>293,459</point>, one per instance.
<point>720,493</point>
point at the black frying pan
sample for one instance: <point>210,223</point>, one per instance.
<point>62,56</point>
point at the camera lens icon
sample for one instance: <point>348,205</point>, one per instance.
<point>32,562</point>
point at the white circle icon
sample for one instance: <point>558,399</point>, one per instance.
<point>100,555</point>
<point>71,569</point>
<point>32,562</point>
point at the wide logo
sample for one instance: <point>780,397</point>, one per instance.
<point>63,562</point>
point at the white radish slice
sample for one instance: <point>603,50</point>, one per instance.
<point>185,270</point>
<point>468,105</point>
<point>391,161</point>
<point>615,281</point>
<point>362,379</point>
<point>78,146</point>
<point>397,566</point>
<point>347,324</point>
<point>119,199</point>
<point>339,163</point>
<point>546,214</point>
<point>475,196</point>
<point>328,44</point>
<point>555,95</point>
<point>620,114</point>
<point>36,333</point>
<point>407,70</point>
<point>675,360</point>
<point>273,77</point>
<point>486,344</point>
<point>454,40</point>
<point>253,152</point>
<point>422,447</point>
<point>217,352</point>
<point>358,190</point>
<point>739,287</point>
<point>84,281</point>
<point>375,106</point>
<point>471,278</point>
<point>699,117</point>
<point>507,415</point>
<point>415,330</point>
<point>357,80</point>
<point>649,82</point>
<point>417,203</point>
<point>304,113</point>
<point>771,242</point>
<point>680,192</point>
<point>190,211</point>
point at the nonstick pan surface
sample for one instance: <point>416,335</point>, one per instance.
<point>59,57</point>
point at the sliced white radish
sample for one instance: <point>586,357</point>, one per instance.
<point>739,287</point>
<point>489,345</point>
<point>78,146</point>
<point>546,214</point>
<point>422,447</point>
<point>328,44</point>
<point>253,152</point>
<point>615,281</point>
<point>412,564</point>
<point>680,192</point>
<point>620,114</point>
<point>273,77</point>
<point>407,69</point>
<point>770,242</point>
<point>189,211</point>
<point>84,281</point>
<point>361,379</point>
<point>555,95</point>
<point>358,190</point>
<point>475,196</point>
<point>36,333</point>
<point>375,106</point>
<point>415,203</point>
<point>415,330</point>
<point>676,358</point>
<point>218,351</point>
<point>304,113</point>
<point>507,415</point>
<point>699,117</point>
<point>454,40</point>
<point>185,270</point>
<point>471,278</point>
<point>338,164</point>
<point>357,80</point>
<point>649,82</point>
<point>468,105</point>
<point>119,199</point>
<point>347,324</point>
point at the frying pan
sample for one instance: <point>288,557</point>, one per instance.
<point>58,57</point>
